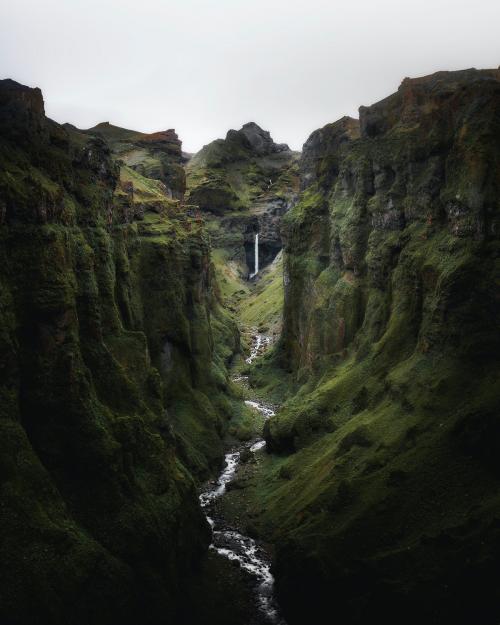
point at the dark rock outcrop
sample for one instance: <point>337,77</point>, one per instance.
<point>252,137</point>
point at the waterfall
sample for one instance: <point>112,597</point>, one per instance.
<point>256,257</point>
<point>256,254</point>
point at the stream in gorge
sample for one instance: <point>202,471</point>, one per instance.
<point>228,541</point>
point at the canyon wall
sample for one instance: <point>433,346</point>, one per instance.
<point>113,349</point>
<point>385,505</point>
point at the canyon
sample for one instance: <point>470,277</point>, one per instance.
<point>252,385</point>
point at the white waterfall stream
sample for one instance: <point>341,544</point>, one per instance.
<point>256,254</point>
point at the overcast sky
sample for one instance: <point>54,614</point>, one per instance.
<point>203,66</point>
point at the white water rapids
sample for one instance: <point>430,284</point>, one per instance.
<point>230,543</point>
<point>260,342</point>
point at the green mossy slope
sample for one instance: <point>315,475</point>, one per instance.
<point>263,309</point>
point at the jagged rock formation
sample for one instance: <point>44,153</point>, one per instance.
<point>244,184</point>
<point>257,140</point>
<point>386,506</point>
<point>112,357</point>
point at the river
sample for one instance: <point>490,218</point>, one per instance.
<point>229,541</point>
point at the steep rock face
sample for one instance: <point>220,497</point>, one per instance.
<point>244,184</point>
<point>22,110</point>
<point>390,507</point>
<point>107,364</point>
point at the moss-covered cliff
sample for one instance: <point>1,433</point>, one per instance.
<point>112,353</point>
<point>385,505</point>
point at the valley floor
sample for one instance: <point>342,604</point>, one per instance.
<point>239,560</point>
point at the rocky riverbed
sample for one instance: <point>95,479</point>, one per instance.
<point>229,541</point>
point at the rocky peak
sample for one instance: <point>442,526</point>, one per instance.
<point>165,140</point>
<point>103,126</point>
<point>166,136</point>
<point>252,136</point>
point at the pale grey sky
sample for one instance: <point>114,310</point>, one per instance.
<point>203,67</point>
